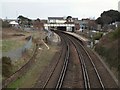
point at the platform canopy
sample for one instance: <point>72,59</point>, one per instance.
<point>65,25</point>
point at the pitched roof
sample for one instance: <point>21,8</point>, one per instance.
<point>75,18</point>
<point>56,18</point>
<point>61,18</point>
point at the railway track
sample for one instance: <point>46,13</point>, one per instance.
<point>85,72</point>
<point>63,70</point>
<point>90,74</point>
<point>86,76</point>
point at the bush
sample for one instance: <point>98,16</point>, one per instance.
<point>97,36</point>
<point>6,66</point>
<point>108,48</point>
<point>116,34</point>
<point>5,24</point>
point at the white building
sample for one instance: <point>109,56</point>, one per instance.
<point>60,23</point>
<point>83,24</point>
<point>64,27</point>
<point>56,20</point>
<point>13,23</point>
<point>60,19</point>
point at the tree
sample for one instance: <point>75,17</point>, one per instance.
<point>69,18</point>
<point>99,20</point>
<point>92,24</point>
<point>38,24</point>
<point>108,17</point>
<point>115,15</point>
<point>23,21</point>
<point>5,24</point>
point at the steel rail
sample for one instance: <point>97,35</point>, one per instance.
<point>96,71</point>
<point>83,65</point>
<point>50,75</point>
<point>63,71</point>
<point>84,69</point>
<point>100,80</point>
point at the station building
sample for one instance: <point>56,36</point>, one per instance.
<point>61,23</point>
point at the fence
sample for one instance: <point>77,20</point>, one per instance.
<point>17,53</point>
<point>21,71</point>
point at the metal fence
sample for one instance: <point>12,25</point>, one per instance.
<point>17,53</point>
<point>20,72</point>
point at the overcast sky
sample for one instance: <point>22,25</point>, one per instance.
<point>44,8</point>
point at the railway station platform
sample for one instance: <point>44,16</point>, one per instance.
<point>78,36</point>
<point>85,40</point>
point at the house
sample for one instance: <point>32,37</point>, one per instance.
<point>117,24</point>
<point>13,23</point>
<point>111,27</point>
<point>56,20</point>
<point>43,21</point>
<point>75,20</point>
<point>38,24</point>
<point>83,24</point>
<point>88,24</point>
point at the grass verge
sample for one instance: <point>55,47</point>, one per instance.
<point>43,59</point>
<point>8,45</point>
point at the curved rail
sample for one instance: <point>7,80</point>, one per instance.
<point>100,80</point>
<point>83,65</point>
<point>87,83</point>
<point>64,69</point>
<point>85,74</point>
<point>50,75</point>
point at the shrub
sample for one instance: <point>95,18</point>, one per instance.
<point>108,48</point>
<point>97,36</point>
<point>6,66</point>
<point>116,34</point>
<point>5,24</point>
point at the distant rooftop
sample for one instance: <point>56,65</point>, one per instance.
<point>75,18</point>
<point>60,18</point>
